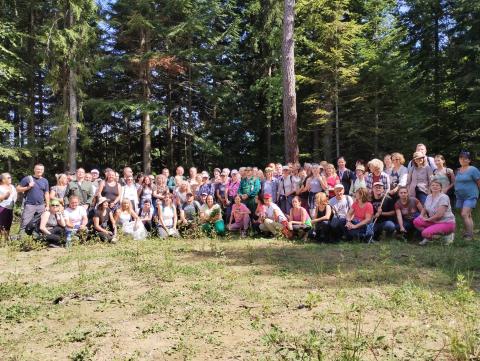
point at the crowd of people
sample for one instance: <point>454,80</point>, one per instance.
<point>323,202</point>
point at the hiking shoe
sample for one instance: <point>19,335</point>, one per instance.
<point>467,237</point>
<point>424,242</point>
<point>448,239</point>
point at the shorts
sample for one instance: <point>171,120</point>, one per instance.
<point>466,203</point>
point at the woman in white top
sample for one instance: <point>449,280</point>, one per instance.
<point>398,173</point>
<point>436,217</point>
<point>130,221</point>
<point>129,191</point>
<point>8,197</point>
<point>167,218</point>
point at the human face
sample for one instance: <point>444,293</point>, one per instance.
<point>80,174</point>
<point>6,179</point>
<point>378,190</point>
<point>146,206</point>
<point>190,199</point>
<point>341,163</point>
<point>439,162</point>
<point>129,180</point>
<point>403,194</point>
<point>339,192</point>
<point>396,161</point>
<point>180,171</point>
<point>295,203</point>
<point>95,175</point>
<point>193,172</point>
<point>125,205</point>
<point>435,187</point>
<point>165,172</point>
<point>267,201</point>
<point>209,200</point>
<point>388,161</point>
<point>329,171</point>
<point>359,173</point>
<point>127,171</point>
<point>73,203</point>
<point>422,149</point>
<point>464,161</point>
<point>54,208</point>
<point>88,177</point>
<point>168,200</point>
<point>38,170</point>
<point>238,200</point>
<point>419,161</point>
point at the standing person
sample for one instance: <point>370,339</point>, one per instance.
<point>145,191</point>
<point>359,215</point>
<point>179,175</point>
<point>205,186</point>
<point>221,190</point>
<point>110,189</point>
<point>407,209</point>
<point>36,195</point>
<point>52,224</point>
<point>360,181</point>
<point>341,205</point>
<point>192,172</point>
<point>467,183</point>
<point>385,215</point>
<point>96,180</point>
<point>332,179</point>
<point>422,148</point>
<point>58,190</point>
<point>161,189</point>
<point>167,218</point>
<point>286,190</point>
<point>103,222</point>
<point>376,175</point>
<point>249,189</point>
<point>170,179</point>
<point>8,197</point>
<point>398,174</point>
<point>445,175</point>
<point>127,172</point>
<point>81,188</point>
<point>346,175</point>
<point>436,217</point>
<point>129,191</point>
<point>269,184</point>
<point>419,177</point>
<point>321,219</point>
<point>388,163</point>
<point>232,190</point>
<point>315,184</point>
<point>241,215</point>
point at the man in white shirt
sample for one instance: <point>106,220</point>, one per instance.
<point>274,220</point>
<point>340,206</point>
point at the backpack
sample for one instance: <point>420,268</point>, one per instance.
<point>34,224</point>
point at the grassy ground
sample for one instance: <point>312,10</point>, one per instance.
<point>231,299</point>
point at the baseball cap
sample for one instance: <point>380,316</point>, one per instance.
<point>205,175</point>
<point>234,171</point>
<point>189,194</point>
<point>338,185</point>
<point>465,154</point>
<point>378,184</point>
<point>285,167</point>
<point>95,171</point>
<point>267,196</point>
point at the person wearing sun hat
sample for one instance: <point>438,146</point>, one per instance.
<point>467,184</point>
<point>104,224</point>
<point>419,176</point>
<point>359,179</point>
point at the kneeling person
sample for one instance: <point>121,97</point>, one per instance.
<point>52,224</point>
<point>75,217</point>
<point>104,224</point>
<point>274,219</point>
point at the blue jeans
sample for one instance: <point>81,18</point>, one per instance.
<point>387,226</point>
<point>421,196</point>
<point>69,233</point>
<point>357,233</point>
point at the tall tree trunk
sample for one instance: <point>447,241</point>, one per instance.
<point>72,108</point>
<point>269,121</point>
<point>170,128</point>
<point>328,132</point>
<point>146,123</point>
<point>376,121</point>
<point>337,121</point>
<point>31,84</point>
<point>289,95</point>
<point>316,142</point>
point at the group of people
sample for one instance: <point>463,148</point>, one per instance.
<point>324,202</point>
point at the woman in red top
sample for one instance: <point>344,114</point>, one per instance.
<point>359,215</point>
<point>332,179</point>
<point>299,221</point>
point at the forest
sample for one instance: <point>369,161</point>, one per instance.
<point>154,83</point>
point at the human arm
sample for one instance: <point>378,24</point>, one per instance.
<point>400,219</point>
<point>326,217</point>
<point>43,223</point>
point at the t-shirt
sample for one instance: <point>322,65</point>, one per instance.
<point>76,215</point>
<point>191,210</point>
<point>466,183</point>
<point>271,210</point>
<point>408,210</point>
<point>239,208</point>
<point>102,220</point>
<point>221,188</point>
<point>360,213</point>
<point>35,195</point>
<point>387,206</point>
<point>340,207</point>
<point>432,204</point>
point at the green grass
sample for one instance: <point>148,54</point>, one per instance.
<point>249,299</point>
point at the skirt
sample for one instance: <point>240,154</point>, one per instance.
<point>6,219</point>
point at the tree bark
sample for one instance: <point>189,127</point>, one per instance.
<point>289,95</point>
<point>146,123</point>
<point>72,106</point>
<point>328,133</point>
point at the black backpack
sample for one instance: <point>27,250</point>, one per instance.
<point>34,224</point>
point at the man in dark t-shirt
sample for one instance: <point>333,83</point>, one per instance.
<point>386,214</point>
<point>36,195</point>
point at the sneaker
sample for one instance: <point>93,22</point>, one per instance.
<point>467,237</point>
<point>448,239</point>
<point>424,242</point>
